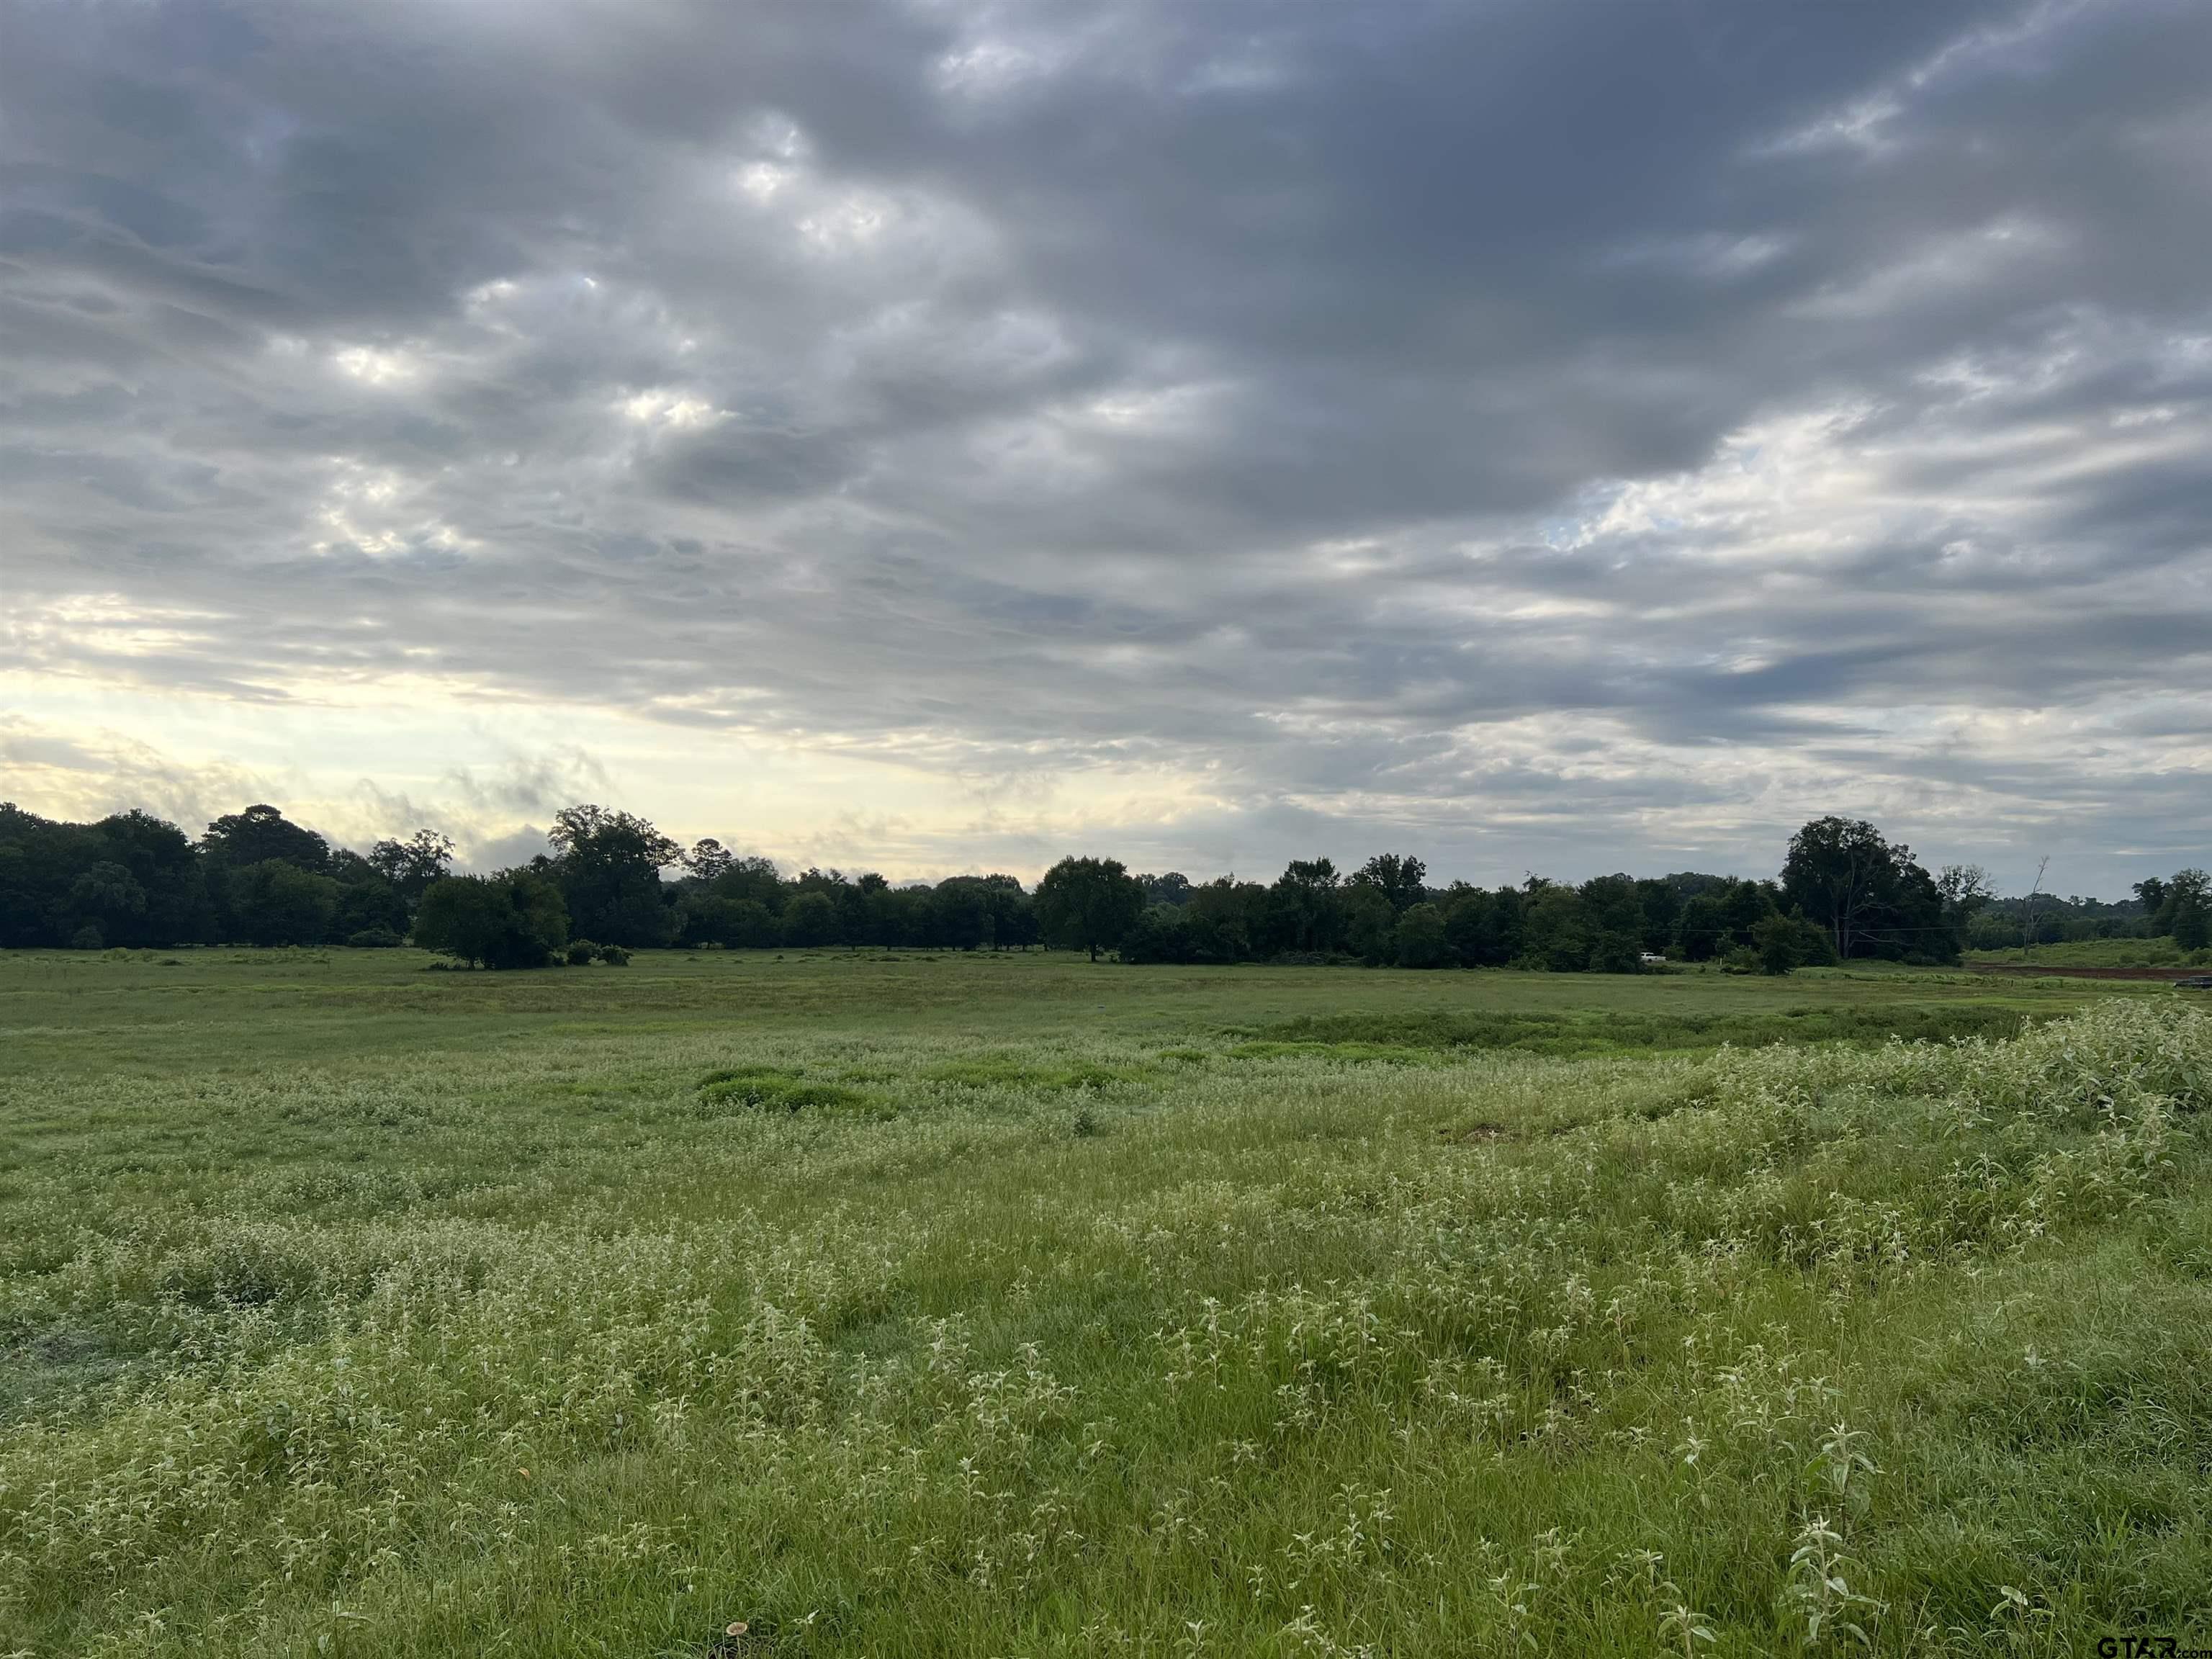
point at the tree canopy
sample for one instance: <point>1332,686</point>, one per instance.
<point>256,877</point>
<point>1089,903</point>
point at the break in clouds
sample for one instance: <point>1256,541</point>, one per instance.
<point>948,435</point>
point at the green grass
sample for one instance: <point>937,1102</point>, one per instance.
<point>2101,953</point>
<point>998,1306</point>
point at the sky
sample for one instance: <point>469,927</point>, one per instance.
<point>933,436</point>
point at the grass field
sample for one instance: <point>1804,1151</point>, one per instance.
<point>2102,954</point>
<point>980,1305</point>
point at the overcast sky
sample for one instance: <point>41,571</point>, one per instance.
<point>939,436</point>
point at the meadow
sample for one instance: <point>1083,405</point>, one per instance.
<point>736,1304</point>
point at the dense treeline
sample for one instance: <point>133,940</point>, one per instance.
<point>253,877</point>
<point>2179,908</point>
<point>613,883</point>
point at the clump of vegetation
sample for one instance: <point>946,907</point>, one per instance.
<point>1001,1071</point>
<point>512,920</point>
<point>1388,1036</point>
<point>772,1088</point>
<point>582,952</point>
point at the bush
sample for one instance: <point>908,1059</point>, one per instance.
<point>770,1089</point>
<point>582,952</point>
<point>87,937</point>
<point>1783,943</point>
<point>374,939</point>
<point>615,956</point>
<point>514,919</point>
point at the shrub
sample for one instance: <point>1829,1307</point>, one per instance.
<point>615,956</point>
<point>374,939</point>
<point>770,1089</point>
<point>514,919</point>
<point>1783,943</point>
<point>582,952</point>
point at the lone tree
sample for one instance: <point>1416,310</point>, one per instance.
<point>1089,904</point>
<point>1869,893</point>
<point>514,919</point>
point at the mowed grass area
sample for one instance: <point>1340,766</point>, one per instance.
<point>1022,1305</point>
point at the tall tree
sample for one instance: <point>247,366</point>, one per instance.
<point>412,864</point>
<point>708,859</point>
<point>261,833</point>
<point>1834,872</point>
<point>1870,893</point>
<point>2189,908</point>
<point>609,865</point>
<point>1088,904</point>
<point>1398,877</point>
<point>1306,906</point>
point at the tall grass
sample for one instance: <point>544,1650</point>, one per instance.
<point>1098,1344</point>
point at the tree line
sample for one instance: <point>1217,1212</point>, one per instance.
<point>612,883</point>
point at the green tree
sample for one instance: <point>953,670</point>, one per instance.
<point>1869,893</point>
<point>1225,918</point>
<point>1088,904</point>
<point>2188,908</point>
<point>1162,934</point>
<point>107,896</point>
<point>708,859</point>
<point>412,864</point>
<point>1420,939</point>
<point>609,865</point>
<point>1555,933</point>
<point>260,833</point>
<point>1613,913</point>
<point>1786,943</point>
<point>1834,872</point>
<point>1306,906</point>
<point>368,902</point>
<point>276,903</point>
<point>2151,894</point>
<point>1398,877</point>
<point>811,918</point>
<point>512,920</point>
<point>1369,922</point>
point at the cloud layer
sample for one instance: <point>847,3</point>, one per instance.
<point>1535,436</point>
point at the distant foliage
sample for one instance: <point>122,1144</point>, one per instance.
<point>1844,892</point>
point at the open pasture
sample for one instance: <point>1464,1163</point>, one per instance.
<point>1021,1305</point>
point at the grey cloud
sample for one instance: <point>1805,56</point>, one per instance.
<point>1309,396</point>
